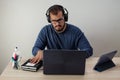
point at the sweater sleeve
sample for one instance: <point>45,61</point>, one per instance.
<point>40,42</point>
<point>84,45</point>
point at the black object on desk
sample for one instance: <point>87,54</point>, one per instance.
<point>27,66</point>
<point>105,61</point>
<point>69,62</point>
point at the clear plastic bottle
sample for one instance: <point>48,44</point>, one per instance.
<point>16,58</point>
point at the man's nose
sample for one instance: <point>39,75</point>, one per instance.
<point>57,23</point>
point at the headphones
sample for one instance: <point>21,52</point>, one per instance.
<point>64,10</point>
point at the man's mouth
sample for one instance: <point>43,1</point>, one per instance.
<point>58,26</point>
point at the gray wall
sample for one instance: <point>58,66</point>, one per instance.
<point>21,20</point>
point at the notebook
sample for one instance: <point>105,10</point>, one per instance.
<point>64,62</point>
<point>105,61</point>
<point>28,66</point>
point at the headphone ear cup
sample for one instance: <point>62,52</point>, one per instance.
<point>48,18</point>
<point>65,14</point>
<point>66,17</point>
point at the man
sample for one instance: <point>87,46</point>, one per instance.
<point>59,35</point>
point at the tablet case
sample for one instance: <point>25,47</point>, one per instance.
<point>105,61</point>
<point>31,68</point>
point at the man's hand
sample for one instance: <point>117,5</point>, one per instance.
<point>38,57</point>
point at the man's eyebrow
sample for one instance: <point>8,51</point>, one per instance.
<point>58,19</point>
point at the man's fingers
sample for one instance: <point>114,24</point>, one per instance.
<point>38,61</point>
<point>33,60</point>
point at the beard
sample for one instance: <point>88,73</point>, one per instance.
<point>59,28</point>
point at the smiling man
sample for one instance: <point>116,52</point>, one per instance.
<point>59,35</point>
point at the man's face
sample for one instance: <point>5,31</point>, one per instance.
<point>58,21</point>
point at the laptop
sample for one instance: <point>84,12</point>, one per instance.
<point>105,61</point>
<point>64,62</point>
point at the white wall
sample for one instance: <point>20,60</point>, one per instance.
<point>21,21</point>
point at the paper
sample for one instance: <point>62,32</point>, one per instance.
<point>30,64</point>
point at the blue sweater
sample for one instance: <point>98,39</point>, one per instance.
<point>72,38</point>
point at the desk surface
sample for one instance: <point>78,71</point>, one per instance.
<point>111,74</point>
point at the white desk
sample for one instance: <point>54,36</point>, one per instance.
<point>90,74</point>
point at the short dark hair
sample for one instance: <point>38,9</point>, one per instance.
<point>55,9</point>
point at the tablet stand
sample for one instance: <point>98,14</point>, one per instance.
<point>104,66</point>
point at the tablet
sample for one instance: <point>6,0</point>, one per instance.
<point>105,61</point>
